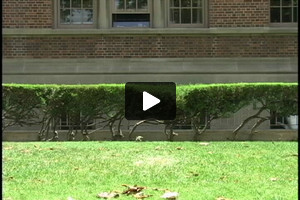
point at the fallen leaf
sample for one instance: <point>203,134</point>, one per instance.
<point>222,198</point>
<point>132,189</point>
<point>108,195</point>
<point>273,179</point>
<point>179,148</point>
<point>26,151</point>
<point>170,195</point>
<point>204,143</point>
<point>51,148</point>
<point>141,195</point>
<point>210,152</point>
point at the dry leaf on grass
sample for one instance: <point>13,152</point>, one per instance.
<point>132,189</point>
<point>157,148</point>
<point>170,195</point>
<point>141,195</point>
<point>108,195</point>
<point>204,143</point>
<point>223,198</point>
<point>179,148</point>
<point>273,179</point>
<point>26,151</point>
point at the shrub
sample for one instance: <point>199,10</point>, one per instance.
<point>25,104</point>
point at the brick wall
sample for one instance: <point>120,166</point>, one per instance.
<point>149,46</point>
<point>239,13</point>
<point>27,14</point>
<point>222,13</point>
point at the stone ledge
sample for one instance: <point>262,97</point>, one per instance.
<point>151,66</point>
<point>154,31</point>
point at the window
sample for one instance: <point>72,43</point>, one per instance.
<point>74,13</point>
<point>66,122</point>
<point>187,13</point>
<point>284,11</point>
<point>131,13</point>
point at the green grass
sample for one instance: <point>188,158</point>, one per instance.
<point>81,170</point>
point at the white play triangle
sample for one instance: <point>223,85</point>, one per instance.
<point>149,101</point>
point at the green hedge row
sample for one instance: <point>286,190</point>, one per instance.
<point>45,104</point>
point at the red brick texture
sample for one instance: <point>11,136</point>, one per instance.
<point>150,46</point>
<point>239,13</point>
<point>27,14</point>
<point>221,13</point>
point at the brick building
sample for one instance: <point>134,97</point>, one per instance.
<point>116,41</point>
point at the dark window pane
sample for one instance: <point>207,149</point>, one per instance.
<point>295,15</point>
<point>275,2</point>
<point>131,4</point>
<point>64,3</point>
<point>87,16</point>
<point>275,15</point>
<point>76,16</point>
<point>131,20</point>
<point>295,2</point>
<point>65,16</point>
<point>76,3</point>
<point>286,2</point>
<point>197,3</point>
<point>286,14</point>
<point>186,16</point>
<point>186,3</point>
<point>120,4</point>
<point>174,3</point>
<point>143,4</point>
<point>197,16</point>
<point>174,16</point>
<point>87,3</point>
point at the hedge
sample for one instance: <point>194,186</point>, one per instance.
<point>25,104</point>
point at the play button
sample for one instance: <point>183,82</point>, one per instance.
<point>149,101</point>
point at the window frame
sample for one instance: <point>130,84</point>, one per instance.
<point>202,25</point>
<point>113,10</point>
<point>282,24</point>
<point>57,23</point>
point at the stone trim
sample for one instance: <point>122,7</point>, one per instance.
<point>278,65</point>
<point>153,31</point>
<point>179,70</point>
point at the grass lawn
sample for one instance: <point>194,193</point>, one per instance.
<point>81,170</point>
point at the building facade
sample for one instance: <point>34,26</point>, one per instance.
<point>117,41</point>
